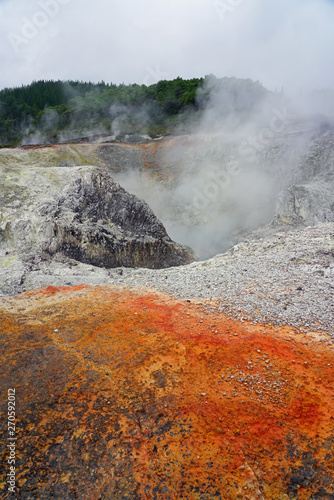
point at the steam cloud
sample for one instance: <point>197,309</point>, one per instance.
<point>223,178</point>
<point>220,179</point>
<point>121,120</point>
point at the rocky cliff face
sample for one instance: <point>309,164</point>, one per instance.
<point>307,204</point>
<point>97,222</point>
<point>310,199</point>
<point>286,178</point>
<point>207,191</point>
<point>81,213</point>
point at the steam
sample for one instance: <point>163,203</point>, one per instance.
<point>90,117</point>
<point>211,196</point>
<point>221,180</point>
<point>220,175</point>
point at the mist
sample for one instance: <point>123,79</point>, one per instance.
<point>90,116</point>
<point>218,176</point>
<point>222,177</point>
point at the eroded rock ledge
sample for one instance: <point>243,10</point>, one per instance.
<point>80,213</point>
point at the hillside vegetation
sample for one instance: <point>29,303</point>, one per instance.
<point>55,111</point>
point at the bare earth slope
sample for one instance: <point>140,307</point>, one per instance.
<point>285,279</point>
<point>212,380</point>
<point>127,395</point>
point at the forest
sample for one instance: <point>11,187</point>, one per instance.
<point>60,111</point>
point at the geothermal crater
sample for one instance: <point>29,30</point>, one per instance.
<point>141,373</point>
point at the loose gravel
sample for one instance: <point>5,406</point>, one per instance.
<point>283,279</point>
<point>287,279</point>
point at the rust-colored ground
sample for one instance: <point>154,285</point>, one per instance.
<point>122,395</point>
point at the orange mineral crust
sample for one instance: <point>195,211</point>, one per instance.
<point>126,395</point>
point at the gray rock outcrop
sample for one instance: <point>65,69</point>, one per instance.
<point>307,204</point>
<point>309,199</point>
<point>79,213</point>
<point>64,224</point>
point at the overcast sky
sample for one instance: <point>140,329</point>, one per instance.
<point>287,43</point>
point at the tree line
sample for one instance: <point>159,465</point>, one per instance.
<point>57,109</point>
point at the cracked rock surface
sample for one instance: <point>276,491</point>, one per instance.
<point>75,213</point>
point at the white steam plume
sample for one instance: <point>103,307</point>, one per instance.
<point>224,176</point>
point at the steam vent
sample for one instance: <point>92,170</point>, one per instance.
<point>140,373</point>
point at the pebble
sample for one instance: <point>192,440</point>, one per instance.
<point>275,273</point>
